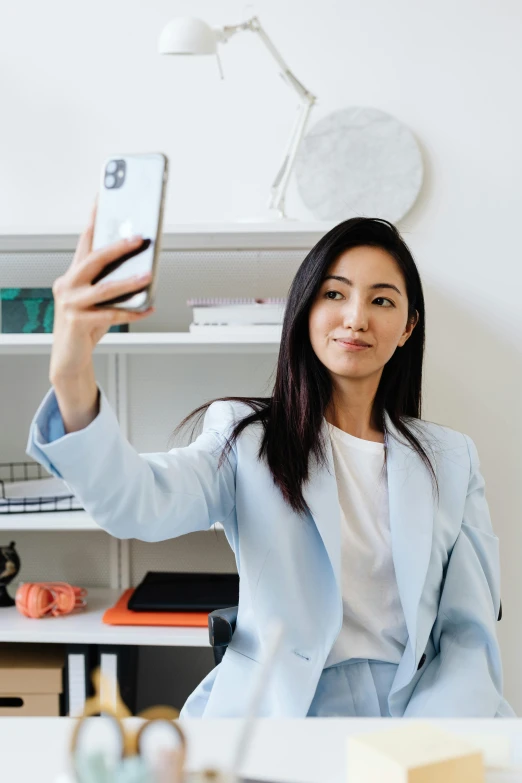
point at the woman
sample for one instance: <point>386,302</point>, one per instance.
<point>359,525</point>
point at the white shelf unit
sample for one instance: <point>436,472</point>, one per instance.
<point>236,260</point>
<point>86,627</point>
<point>187,236</point>
<point>48,520</point>
<point>150,343</point>
<point>111,345</point>
<point>69,521</point>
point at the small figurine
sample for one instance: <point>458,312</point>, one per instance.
<point>9,567</point>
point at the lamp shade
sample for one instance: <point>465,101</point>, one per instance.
<point>186,35</point>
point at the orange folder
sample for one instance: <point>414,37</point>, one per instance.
<point>120,615</point>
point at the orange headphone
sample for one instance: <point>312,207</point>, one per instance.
<point>38,599</point>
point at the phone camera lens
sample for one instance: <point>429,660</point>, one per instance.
<point>115,173</point>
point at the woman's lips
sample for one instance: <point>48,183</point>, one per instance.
<point>351,346</point>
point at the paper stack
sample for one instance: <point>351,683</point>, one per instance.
<point>36,495</point>
<point>222,316</point>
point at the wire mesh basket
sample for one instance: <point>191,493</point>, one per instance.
<point>11,472</point>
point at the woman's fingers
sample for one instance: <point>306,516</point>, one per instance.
<point>90,295</point>
<point>97,260</point>
<point>102,318</point>
<point>84,245</point>
<point>78,324</point>
<point>110,316</point>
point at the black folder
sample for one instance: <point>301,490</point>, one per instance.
<point>165,591</point>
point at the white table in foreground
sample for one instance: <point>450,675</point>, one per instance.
<point>311,750</point>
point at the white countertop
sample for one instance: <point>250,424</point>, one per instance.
<point>311,750</point>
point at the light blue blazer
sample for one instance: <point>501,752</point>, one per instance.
<point>446,556</point>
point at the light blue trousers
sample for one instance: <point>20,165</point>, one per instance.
<point>357,688</point>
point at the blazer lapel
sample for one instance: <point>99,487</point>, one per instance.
<point>321,496</point>
<point>411,513</point>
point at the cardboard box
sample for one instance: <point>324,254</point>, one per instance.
<point>417,752</point>
<point>31,679</point>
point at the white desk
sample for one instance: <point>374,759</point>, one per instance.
<point>311,750</point>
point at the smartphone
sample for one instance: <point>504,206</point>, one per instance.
<point>131,200</point>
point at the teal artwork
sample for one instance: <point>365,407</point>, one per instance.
<point>31,310</point>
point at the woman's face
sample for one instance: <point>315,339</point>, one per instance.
<point>368,304</point>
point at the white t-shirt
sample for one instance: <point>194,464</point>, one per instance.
<point>373,620</point>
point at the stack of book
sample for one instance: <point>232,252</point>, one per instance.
<point>250,316</point>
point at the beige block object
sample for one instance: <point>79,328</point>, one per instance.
<point>30,705</point>
<point>31,668</point>
<point>31,677</point>
<point>417,752</point>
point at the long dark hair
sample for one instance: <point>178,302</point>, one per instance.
<point>292,417</point>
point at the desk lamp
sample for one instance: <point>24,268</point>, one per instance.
<point>186,35</point>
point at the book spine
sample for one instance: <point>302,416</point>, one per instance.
<point>241,315</point>
<point>78,687</point>
<point>221,301</point>
<point>119,674</point>
<point>268,330</point>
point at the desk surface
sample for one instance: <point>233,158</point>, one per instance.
<point>311,750</point>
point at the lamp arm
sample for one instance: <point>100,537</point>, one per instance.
<point>280,183</point>
<point>307,99</point>
<point>255,26</point>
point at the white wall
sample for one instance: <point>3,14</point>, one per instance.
<point>82,80</point>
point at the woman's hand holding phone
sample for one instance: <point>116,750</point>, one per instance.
<point>80,323</point>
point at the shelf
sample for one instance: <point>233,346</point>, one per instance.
<point>152,342</point>
<point>190,236</point>
<point>86,627</point>
<point>48,520</point>
<point>56,520</point>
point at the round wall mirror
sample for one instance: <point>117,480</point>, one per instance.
<point>359,161</point>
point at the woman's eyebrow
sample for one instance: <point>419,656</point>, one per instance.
<point>375,285</point>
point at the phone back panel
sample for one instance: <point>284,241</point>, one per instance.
<point>131,206</point>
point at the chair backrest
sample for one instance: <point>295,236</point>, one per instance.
<point>221,626</point>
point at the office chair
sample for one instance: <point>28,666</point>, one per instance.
<point>222,624</point>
